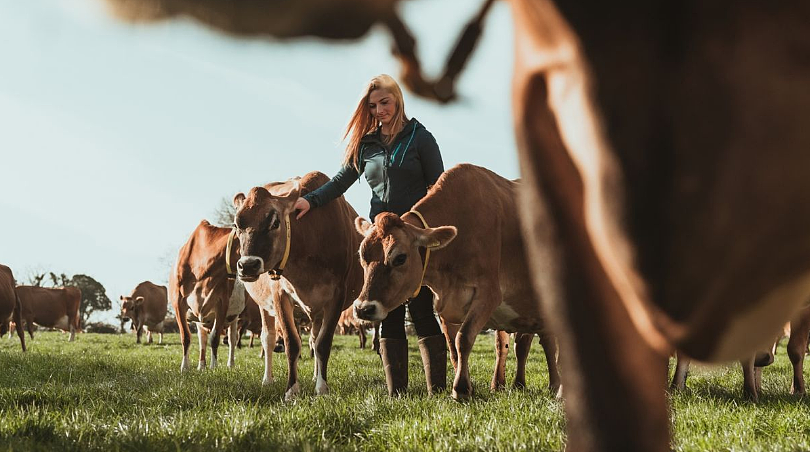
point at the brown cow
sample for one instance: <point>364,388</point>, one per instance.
<point>10,307</point>
<point>322,272</point>
<point>349,324</point>
<point>250,320</point>
<point>202,291</point>
<point>146,307</point>
<point>480,280</point>
<point>51,307</point>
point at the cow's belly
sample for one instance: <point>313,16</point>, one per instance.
<point>61,323</point>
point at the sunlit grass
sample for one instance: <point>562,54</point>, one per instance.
<point>104,392</point>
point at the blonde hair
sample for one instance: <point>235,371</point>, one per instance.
<point>362,123</point>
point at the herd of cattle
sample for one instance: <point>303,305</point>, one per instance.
<point>663,206</point>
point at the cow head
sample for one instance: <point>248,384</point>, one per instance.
<point>262,230</point>
<point>130,306</point>
<point>392,263</point>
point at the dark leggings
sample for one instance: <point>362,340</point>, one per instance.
<point>424,320</point>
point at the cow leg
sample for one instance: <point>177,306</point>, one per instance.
<point>483,304</point>
<point>313,334</point>
<point>29,325</point>
<point>450,332</point>
<point>549,343</point>
<point>252,336</point>
<point>17,316</point>
<point>268,337</point>
<point>796,348</point>
<point>185,333</point>
<point>292,343</point>
<point>375,340</point>
<point>323,342</point>
<point>232,341</point>
<point>138,332</point>
<point>523,343</point>
<point>681,372</point>
<point>202,336</point>
<point>501,353</point>
<point>148,335</point>
<point>612,375</point>
<point>362,333</point>
<point>72,336</point>
<point>749,379</point>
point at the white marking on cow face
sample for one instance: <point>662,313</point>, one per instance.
<point>369,310</point>
<point>250,268</point>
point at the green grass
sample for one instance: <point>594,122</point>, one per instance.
<point>104,393</point>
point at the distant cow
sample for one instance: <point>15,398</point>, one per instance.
<point>322,272</point>
<point>146,307</point>
<point>478,270</point>
<point>799,331</point>
<point>10,307</point>
<point>202,290</point>
<point>51,307</point>
<point>349,324</point>
<point>249,320</point>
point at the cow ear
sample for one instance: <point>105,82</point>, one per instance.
<point>295,192</point>
<point>138,301</point>
<point>122,298</point>
<point>437,237</point>
<point>238,199</point>
<point>363,226</point>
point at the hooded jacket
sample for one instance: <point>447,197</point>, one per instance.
<point>399,174</point>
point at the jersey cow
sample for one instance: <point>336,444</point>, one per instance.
<point>10,307</point>
<point>146,306</point>
<point>478,273</point>
<point>312,262</point>
<point>51,307</point>
<point>202,290</point>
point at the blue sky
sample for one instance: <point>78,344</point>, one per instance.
<point>116,140</point>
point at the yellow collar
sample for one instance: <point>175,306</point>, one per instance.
<point>427,253</point>
<point>275,273</point>
<point>228,253</point>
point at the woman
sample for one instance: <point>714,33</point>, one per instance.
<point>400,160</point>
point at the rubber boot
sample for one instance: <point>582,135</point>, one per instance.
<point>434,358</point>
<point>394,354</point>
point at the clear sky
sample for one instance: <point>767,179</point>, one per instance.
<point>116,140</point>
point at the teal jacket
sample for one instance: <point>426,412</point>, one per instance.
<point>398,174</point>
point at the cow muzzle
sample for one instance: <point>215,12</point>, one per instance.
<point>249,268</point>
<point>369,310</point>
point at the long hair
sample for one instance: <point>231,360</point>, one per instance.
<point>362,123</point>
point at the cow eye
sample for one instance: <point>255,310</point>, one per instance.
<point>276,223</point>
<point>399,260</point>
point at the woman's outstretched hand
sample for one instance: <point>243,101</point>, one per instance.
<point>302,205</point>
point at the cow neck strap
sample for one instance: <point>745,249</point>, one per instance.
<point>427,253</point>
<point>275,273</point>
<point>228,247</point>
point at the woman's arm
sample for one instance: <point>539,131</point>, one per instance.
<point>332,189</point>
<point>431,158</point>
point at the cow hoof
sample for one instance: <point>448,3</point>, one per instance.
<point>267,380</point>
<point>201,365</point>
<point>292,393</point>
<point>230,364</point>
<point>519,385</point>
<point>559,395</point>
<point>321,388</point>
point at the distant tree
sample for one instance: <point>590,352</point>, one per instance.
<point>35,278</point>
<point>61,280</point>
<point>224,213</point>
<point>94,296</point>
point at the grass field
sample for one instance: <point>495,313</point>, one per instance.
<point>104,392</point>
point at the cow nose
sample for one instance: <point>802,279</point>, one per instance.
<point>365,311</point>
<point>248,266</point>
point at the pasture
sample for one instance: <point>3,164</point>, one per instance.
<point>104,393</point>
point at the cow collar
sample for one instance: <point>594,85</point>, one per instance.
<point>427,253</point>
<point>275,273</point>
<point>228,247</point>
